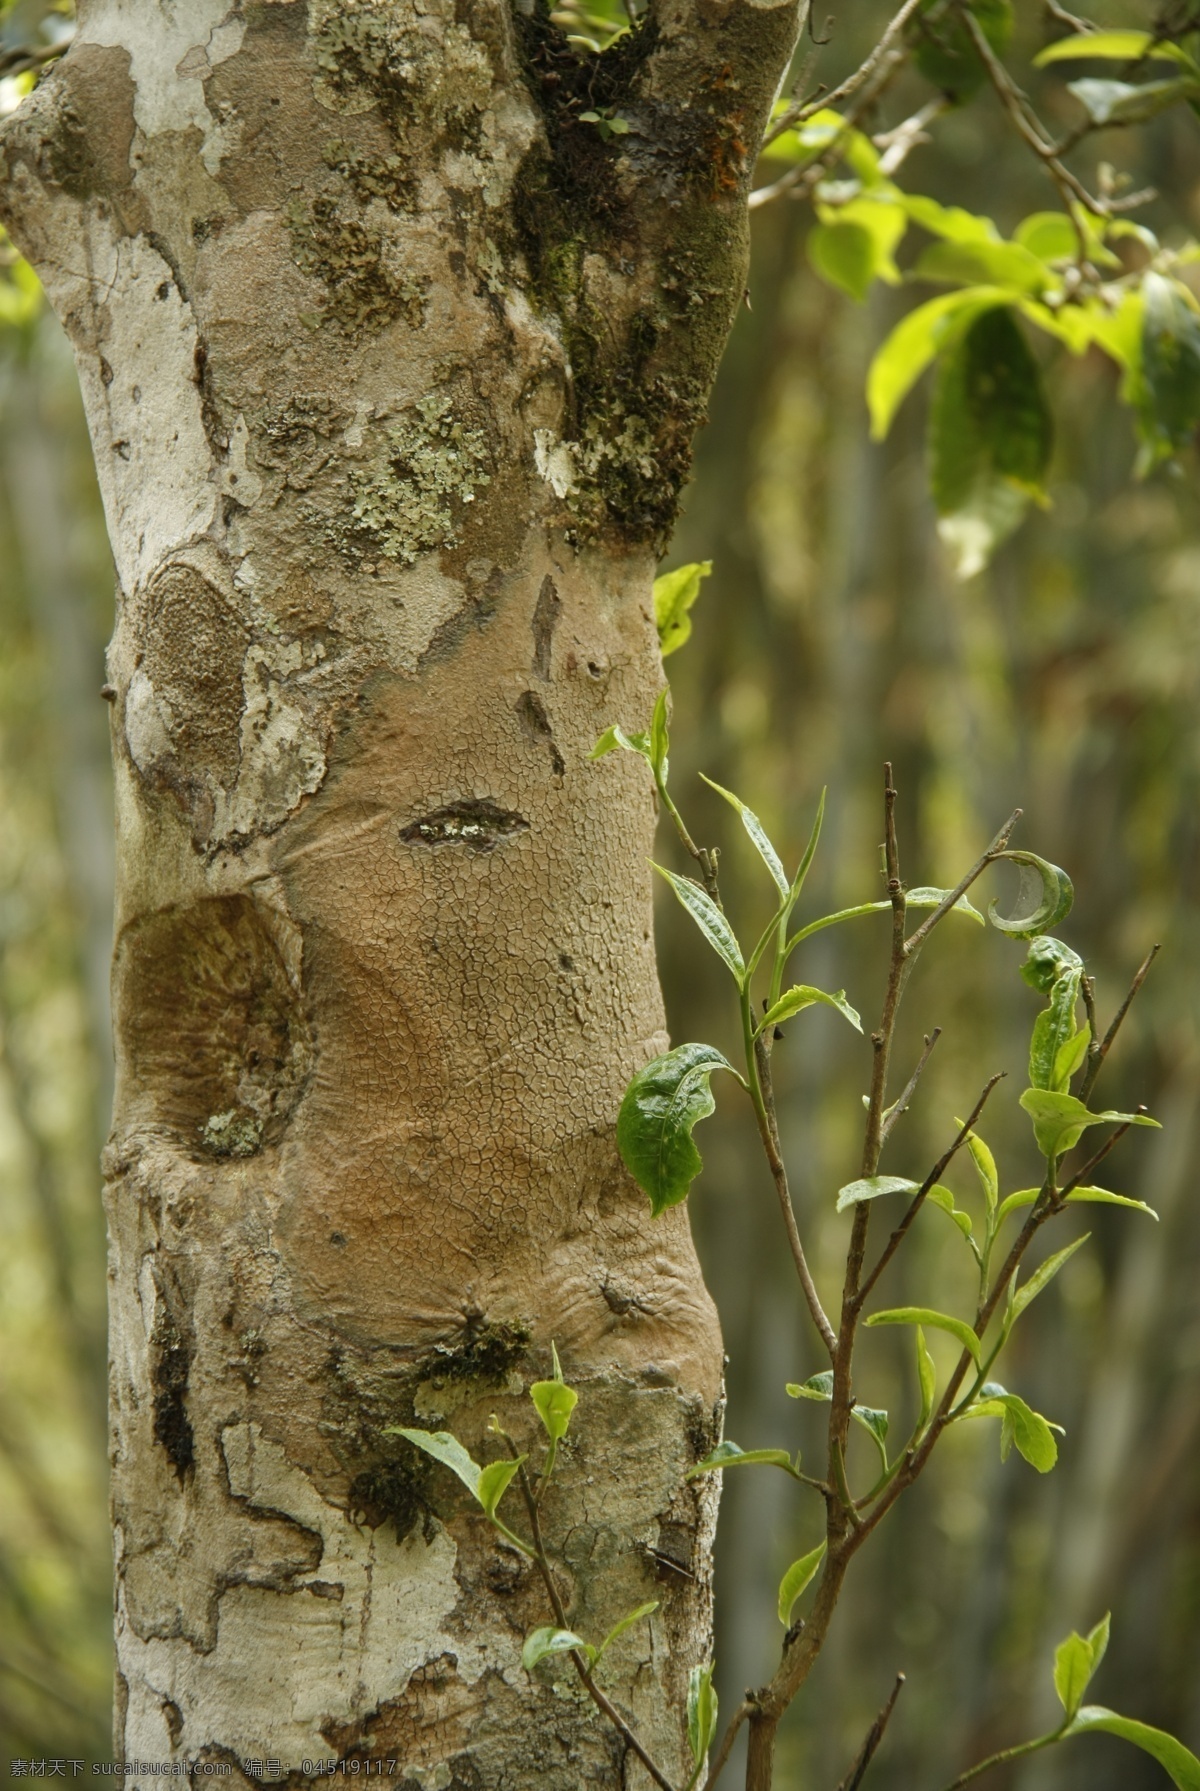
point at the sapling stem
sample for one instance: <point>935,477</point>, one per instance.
<point>875,1733</point>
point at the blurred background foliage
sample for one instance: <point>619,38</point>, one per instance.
<point>1066,679</point>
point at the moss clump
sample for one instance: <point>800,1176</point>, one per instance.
<point>488,1350</point>
<point>348,248</point>
<point>236,1133</point>
<point>368,57</point>
<point>409,499</point>
<point>387,177</point>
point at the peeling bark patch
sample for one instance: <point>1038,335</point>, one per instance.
<point>479,825</point>
<point>535,724</point>
<point>545,621</point>
<point>217,1039</point>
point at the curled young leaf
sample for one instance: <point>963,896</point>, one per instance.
<point>1075,1663</point>
<point>794,1000</point>
<point>942,1197</point>
<point>615,739</point>
<point>1029,1431</point>
<point>927,1380</point>
<point>933,898</point>
<point>555,1402</point>
<point>817,1386</point>
<point>794,1581</point>
<point>1182,1767</point>
<point>654,1126</point>
<point>494,1481</point>
<point>1046,960</point>
<point>626,1622</point>
<point>701,1712</point>
<point>709,918</point>
<point>674,594</point>
<point>937,1321</point>
<point>728,1455</point>
<point>1042,884</point>
<point>447,1449</point>
<point>1052,1046</point>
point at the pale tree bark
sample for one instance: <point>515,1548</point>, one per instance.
<point>392,365</point>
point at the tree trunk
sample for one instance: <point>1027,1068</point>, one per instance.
<point>392,361</point>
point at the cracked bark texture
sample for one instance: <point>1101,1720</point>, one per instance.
<point>392,365</point>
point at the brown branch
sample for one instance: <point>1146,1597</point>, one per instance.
<point>1098,1050</point>
<point>918,1199</point>
<point>768,1129</point>
<point>998,845</point>
<point>1080,1175</point>
<point>910,1088</point>
<point>866,1753</point>
<point>727,1740</point>
<point>851,85</point>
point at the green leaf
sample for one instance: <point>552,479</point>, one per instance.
<point>618,1629</point>
<point>875,1423</point>
<point>674,594</point>
<point>1054,1033</point>
<point>555,1402</point>
<point>494,1482</point>
<point>1042,883</point>
<point>708,918</point>
<point>728,1455</point>
<point>1075,1663</point>
<point>985,1168</point>
<point>871,1187</point>
<point>660,738</point>
<point>654,1126</point>
<point>926,897</point>
<point>1029,1431</point>
<point>548,1641</point>
<point>758,834</point>
<point>927,1379</point>
<point>1046,961</point>
<point>939,1321</point>
<point>985,264</point>
<point>817,1386</point>
<point>913,345</point>
<point>615,738</point>
<point>794,1581</point>
<point>1059,1120</point>
<point>945,50</point>
<point>1113,46</point>
<point>701,1712</point>
<point>1082,1196</point>
<point>989,437</point>
<point>1069,1057</point>
<point>949,221</point>
<point>794,1000</point>
<point>1169,408</point>
<point>1125,102</point>
<point>844,256</point>
<point>1050,235</point>
<point>1043,1276</point>
<point>444,1448</point>
<point>943,1198</point>
<point>1182,1766</point>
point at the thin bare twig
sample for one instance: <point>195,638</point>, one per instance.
<point>898,143</point>
<point>866,1753</point>
<point>1081,1175</point>
<point>732,1728</point>
<point>916,940</point>
<point>910,1088</point>
<point>768,1128</point>
<point>851,85</point>
<point>1098,1050</point>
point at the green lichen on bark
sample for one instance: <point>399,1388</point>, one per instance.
<point>351,250</point>
<point>368,56</point>
<point>409,498</point>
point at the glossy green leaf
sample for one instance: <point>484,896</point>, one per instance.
<point>654,1126</point>
<point>1070,1056</point>
<point>1075,1663</point>
<point>615,738</point>
<point>844,256</point>
<point>1181,1765</point>
<point>1059,1120</point>
<point>927,1380</point>
<point>1044,1275</point>
<point>494,1481</point>
<point>817,1386</point>
<point>914,343</point>
<point>728,1455</point>
<point>798,1576</point>
<point>926,897</point>
<point>444,1448</point>
<point>871,1187</point>
<point>709,918</point>
<point>627,1622</point>
<point>989,437</point>
<point>1029,1431</point>
<point>1125,102</point>
<point>1169,408</point>
<point>758,835</point>
<point>794,1000</point>
<point>674,594</point>
<point>1052,1043</point>
<point>1077,1196</point>
<point>1046,890</point>
<point>547,1641</point>
<point>1113,46</point>
<point>938,1321</point>
<point>949,221</point>
<point>985,1168</point>
<point>701,1712</point>
<point>945,51</point>
<point>1046,960</point>
<point>985,264</point>
<point>943,1198</point>
<point>1050,235</point>
<point>660,738</point>
<point>555,1402</point>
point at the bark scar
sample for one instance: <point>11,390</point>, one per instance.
<point>480,825</point>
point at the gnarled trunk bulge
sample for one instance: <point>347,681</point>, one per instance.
<point>392,358</point>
